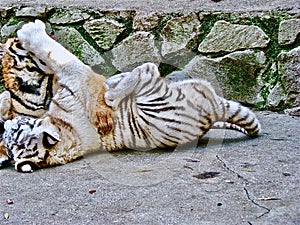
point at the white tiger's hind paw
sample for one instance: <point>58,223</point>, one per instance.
<point>33,35</point>
<point>147,69</point>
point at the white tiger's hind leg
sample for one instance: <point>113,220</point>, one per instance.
<point>125,84</point>
<point>119,86</point>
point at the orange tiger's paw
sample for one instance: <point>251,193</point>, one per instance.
<point>104,123</point>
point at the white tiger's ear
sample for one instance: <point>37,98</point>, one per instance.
<point>50,139</point>
<point>50,135</point>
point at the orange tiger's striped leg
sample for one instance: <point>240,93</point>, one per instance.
<point>4,159</point>
<point>5,114</point>
<point>5,106</point>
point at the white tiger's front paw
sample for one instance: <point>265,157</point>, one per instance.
<point>33,35</point>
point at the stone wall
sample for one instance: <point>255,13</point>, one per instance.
<point>251,57</point>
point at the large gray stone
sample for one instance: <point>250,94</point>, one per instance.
<point>104,31</point>
<point>276,96</point>
<point>4,11</point>
<point>289,72</point>
<point>38,11</point>
<point>288,31</point>
<point>135,50</point>
<point>145,21</point>
<point>180,34</point>
<point>9,30</point>
<point>71,39</point>
<point>234,76</point>
<point>68,16</point>
<point>227,37</point>
<point>293,111</point>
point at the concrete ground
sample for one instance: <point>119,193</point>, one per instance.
<point>227,179</point>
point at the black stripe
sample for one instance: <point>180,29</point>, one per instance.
<point>180,96</point>
<point>163,109</point>
<point>37,68</point>
<point>19,132</point>
<point>58,105</point>
<point>254,130</point>
<point>167,138</point>
<point>158,99</point>
<point>231,118</point>
<point>162,118</point>
<point>181,115</point>
<point>156,127</point>
<point>154,104</point>
<point>223,108</point>
<point>143,86</point>
<point>207,117</point>
<point>49,91</point>
<point>129,120</point>
<point>152,89</point>
<point>42,62</point>
<point>12,50</point>
<point>182,131</point>
<point>67,88</point>
<point>167,93</point>
<point>212,101</point>
<point>133,121</point>
<point>241,119</point>
<point>204,130</point>
<point>19,46</point>
<point>121,120</point>
<point>248,124</point>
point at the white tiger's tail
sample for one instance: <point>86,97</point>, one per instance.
<point>238,117</point>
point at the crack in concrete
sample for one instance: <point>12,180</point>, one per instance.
<point>246,183</point>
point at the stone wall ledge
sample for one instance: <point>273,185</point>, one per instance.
<point>250,55</point>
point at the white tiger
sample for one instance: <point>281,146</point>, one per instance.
<point>137,109</point>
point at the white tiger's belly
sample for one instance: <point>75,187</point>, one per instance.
<point>150,125</point>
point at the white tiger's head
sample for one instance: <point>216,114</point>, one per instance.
<point>29,142</point>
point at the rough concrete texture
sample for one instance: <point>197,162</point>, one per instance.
<point>168,5</point>
<point>252,181</point>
